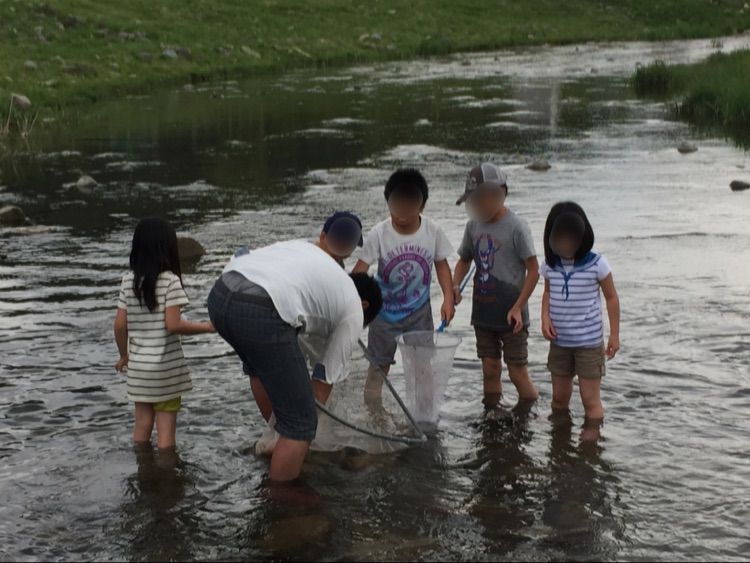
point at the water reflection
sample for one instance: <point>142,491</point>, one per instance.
<point>155,521</point>
<point>507,481</point>
<point>578,495</point>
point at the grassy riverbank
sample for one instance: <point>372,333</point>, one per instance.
<point>714,93</point>
<point>65,54</point>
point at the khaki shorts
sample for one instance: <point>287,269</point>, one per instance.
<point>586,363</point>
<point>494,344</point>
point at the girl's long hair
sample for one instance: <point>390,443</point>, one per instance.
<point>587,242</point>
<point>154,251</point>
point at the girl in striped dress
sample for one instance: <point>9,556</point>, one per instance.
<point>148,326</point>
<point>574,279</point>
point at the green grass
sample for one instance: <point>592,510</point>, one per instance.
<point>89,50</point>
<point>713,93</point>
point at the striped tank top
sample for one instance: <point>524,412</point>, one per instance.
<point>575,304</point>
<point>157,370</point>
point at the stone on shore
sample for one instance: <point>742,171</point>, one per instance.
<point>12,216</point>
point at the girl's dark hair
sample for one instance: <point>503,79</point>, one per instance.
<point>154,251</point>
<point>587,242</point>
<point>407,182</point>
<point>369,291</point>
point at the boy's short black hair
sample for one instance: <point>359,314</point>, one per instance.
<point>407,182</point>
<point>369,291</point>
<point>587,242</point>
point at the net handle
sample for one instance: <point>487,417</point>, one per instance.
<point>463,285</point>
<point>420,433</point>
<point>391,437</point>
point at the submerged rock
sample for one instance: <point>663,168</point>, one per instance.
<point>12,216</point>
<point>86,183</point>
<point>191,251</point>
<point>686,148</point>
<point>291,534</point>
<point>539,166</point>
<point>739,186</point>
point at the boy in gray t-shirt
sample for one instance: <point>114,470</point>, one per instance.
<point>500,244</point>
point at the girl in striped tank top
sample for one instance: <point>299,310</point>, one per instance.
<point>148,326</point>
<point>574,279</point>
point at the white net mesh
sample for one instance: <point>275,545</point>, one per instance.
<point>428,363</point>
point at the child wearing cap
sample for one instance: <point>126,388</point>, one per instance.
<point>500,244</point>
<point>405,247</point>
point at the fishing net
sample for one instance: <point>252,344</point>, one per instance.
<point>427,364</point>
<point>347,420</point>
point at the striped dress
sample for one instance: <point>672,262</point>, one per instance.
<point>575,303</point>
<point>156,365</point>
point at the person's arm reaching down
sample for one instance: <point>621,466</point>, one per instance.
<point>445,279</point>
<point>121,338</point>
<point>459,273</point>
<point>515,315</point>
<point>613,311</point>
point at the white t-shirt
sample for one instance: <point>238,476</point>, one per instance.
<point>310,290</point>
<point>156,365</point>
<point>405,264</point>
<point>575,304</point>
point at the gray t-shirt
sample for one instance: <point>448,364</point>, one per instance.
<point>500,250</point>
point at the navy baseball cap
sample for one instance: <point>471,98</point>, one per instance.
<point>344,227</point>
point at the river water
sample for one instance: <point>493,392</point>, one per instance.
<point>267,159</point>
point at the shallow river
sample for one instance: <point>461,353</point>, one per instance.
<point>267,159</point>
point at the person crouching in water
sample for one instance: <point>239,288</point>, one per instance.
<point>265,303</point>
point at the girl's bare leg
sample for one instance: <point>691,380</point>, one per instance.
<point>144,422</point>
<point>166,429</point>
<point>562,391</point>
<point>591,397</point>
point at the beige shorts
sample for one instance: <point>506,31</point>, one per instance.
<point>494,344</point>
<point>586,363</point>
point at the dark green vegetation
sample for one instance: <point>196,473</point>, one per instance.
<point>67,53</point>
<point>710,94</point>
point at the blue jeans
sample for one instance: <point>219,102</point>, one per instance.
<point>269,350</point>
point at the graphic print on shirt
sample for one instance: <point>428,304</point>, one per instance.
<point>405,276</point>
<point>485,248</point>
<point>492,298</point>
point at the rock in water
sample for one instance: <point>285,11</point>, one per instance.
<point>686,148</point>
<point>191,251</point>
<point>12,216</point>
<point>539,166</point>
<point>291,534</point>
<point>739,186</point>
<point>86,184</point>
